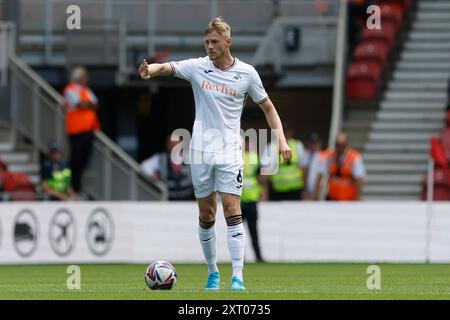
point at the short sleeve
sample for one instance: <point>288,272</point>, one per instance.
<point>72,98</point>
<point>302,161</point>
<point>256,89</point>
<point>359,172</point>
<point>322,165</point>
<point>151,165</point>
<point>184,69</point>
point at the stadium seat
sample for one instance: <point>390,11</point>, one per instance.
<point>437,152</point>
<point>386,34</point>
<point>372,51</point>
<point>404,4</point>
<point>441,185</point>
<point>19,182</point>
<point>448,119</point>
<point>446,144</point>
<point>363,80</point>
<point>392,13</point>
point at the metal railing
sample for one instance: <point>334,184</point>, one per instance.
<point>7,46</point>
<point>37,113</point>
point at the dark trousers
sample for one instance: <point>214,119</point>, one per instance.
<point>280,196</point>
<point>80,152</point>
<point>250,214</point>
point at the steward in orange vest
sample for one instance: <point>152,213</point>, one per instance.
<point>81,123</point>
<point>346,172</point>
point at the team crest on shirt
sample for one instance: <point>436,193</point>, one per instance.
<point>237,77</point>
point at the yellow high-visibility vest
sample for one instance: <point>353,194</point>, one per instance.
<point>252,189</point>
<point>289,176</point>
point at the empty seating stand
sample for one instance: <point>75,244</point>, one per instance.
<point>376,46</point>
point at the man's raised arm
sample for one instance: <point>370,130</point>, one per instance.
<point>148,71</point>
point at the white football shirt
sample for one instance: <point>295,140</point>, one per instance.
<point>219,96</point>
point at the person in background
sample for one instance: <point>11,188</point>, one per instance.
<point>56,176</point>
<point>288,182</point>
<point>252,191</point>
<point>168,167</point>
<point>81,105</point>
<point>311,166</point>
<point>346,172</point>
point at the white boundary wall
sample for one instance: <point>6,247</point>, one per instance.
<point>289,232</point>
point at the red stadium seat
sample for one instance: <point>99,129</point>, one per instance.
<point>19,183</point>
<point>393,13</point>
<point>437,152</point>
<point>441,185</point>
<point>404,4</point>
<point>446,144</point>
<point>386,34</point>
<point>372,51</point>
<point>363,80</point>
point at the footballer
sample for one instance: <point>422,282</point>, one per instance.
<point>220,83</point>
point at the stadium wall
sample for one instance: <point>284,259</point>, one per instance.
<point>128,232</point>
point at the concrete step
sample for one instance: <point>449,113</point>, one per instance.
<point>24,167</point>
<point>422,76</point>
<point>396,167</point>
<point>434,6</point>
<point>423,66</point>
<point>413,45</point>
<point>376,147</point>
<point>15,157</point>
<point>440,96</point>
<point>394,179</point>
<point>427,15</point>
<point>425,56</point>
<point>6,146</point>
<point>398,137</point>
<point>427,86</point>
<point>408,126</point>
<point>428,36</point>
<point>438,26</point>
<point>412,105</point>
<point>411,116</point>
<point>397,189</point>
<point>395,157</point>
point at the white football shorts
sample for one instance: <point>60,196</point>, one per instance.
<point>214,172</point>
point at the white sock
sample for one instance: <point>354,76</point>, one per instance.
<point>208,241</point>
<point>236,245</point>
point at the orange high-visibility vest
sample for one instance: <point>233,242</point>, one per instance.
<point>341,184</point>
<point>80,120</point>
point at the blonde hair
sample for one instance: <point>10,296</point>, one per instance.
<point>219,25</point>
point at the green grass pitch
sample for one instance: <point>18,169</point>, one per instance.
<point>263,281</point>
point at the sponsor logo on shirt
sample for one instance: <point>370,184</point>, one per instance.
<point>222,88</point>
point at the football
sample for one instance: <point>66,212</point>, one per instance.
<point>160,275</point>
